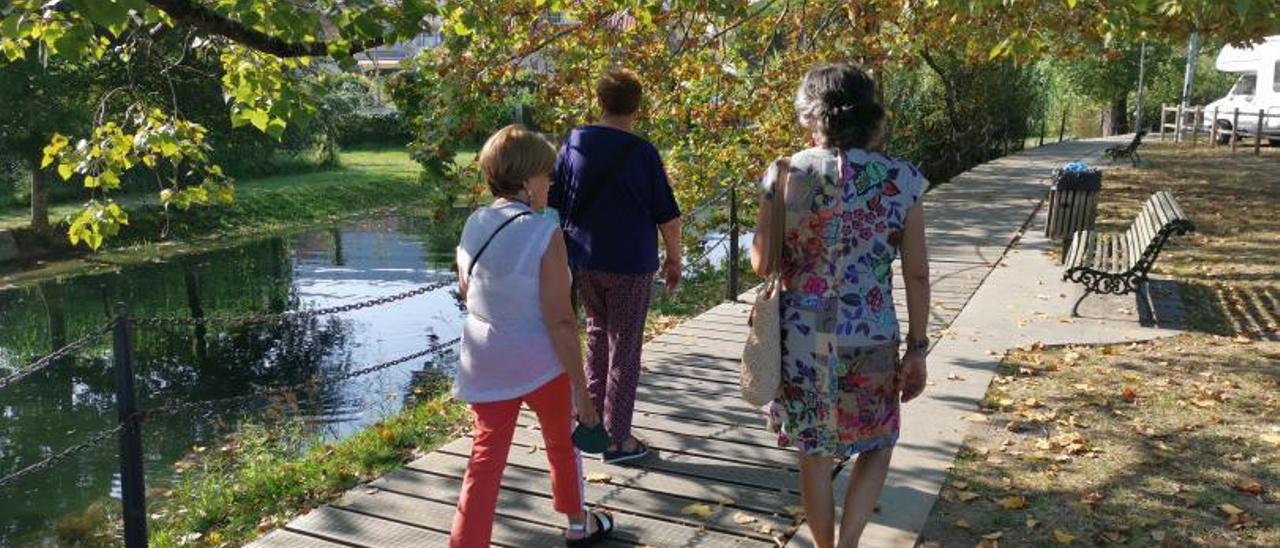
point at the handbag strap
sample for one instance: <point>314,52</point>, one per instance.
<point>472,267</point>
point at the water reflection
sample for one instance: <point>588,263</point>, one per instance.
<point>58,407</point>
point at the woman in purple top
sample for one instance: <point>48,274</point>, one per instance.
<point>613,197</point>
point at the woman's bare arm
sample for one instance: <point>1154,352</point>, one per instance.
<point>915,271</point>
<point>558,314</point>
<point>762,240</point>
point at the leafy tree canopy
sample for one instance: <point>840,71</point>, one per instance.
<point>720,71</point>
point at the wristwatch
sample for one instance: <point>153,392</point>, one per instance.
<point>918,345</point>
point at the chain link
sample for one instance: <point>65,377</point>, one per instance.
<point>251,319</point>
<point>56,355</point>
<point>268,391</point>
<point>91,442</point>
<point>706,251</point>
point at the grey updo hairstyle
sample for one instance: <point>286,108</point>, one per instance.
<point>839,101</point>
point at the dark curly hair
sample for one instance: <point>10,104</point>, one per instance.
<point>839,100</point>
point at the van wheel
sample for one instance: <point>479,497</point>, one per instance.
<point>1224,132</point>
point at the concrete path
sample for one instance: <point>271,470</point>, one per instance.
<point>989,295</point>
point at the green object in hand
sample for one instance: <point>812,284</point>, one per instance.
<point>591,439</point>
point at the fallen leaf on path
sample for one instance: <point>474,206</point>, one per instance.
<point>993,536</point>
<point>794,511</point>
<point>1129,394</point>
<point>701,510</point>
<point>1273,439</point>
<point>599,477</point>
<point>764,529</point>
<point>1032,522</point>
<point>1241,521</point>
<point>962,523</point>
<point>1062,537</point>
<point>743,519</point>
<point>1250,486</point>
<point>988,543</point>
<point>1230,509</point>
<point>533,448</point>
<point>961,485</point>
<point>954,377</point>
<point>966,496</point>
<point>1158,536</point>
<point>976,417</point>
<point>1013,502</point>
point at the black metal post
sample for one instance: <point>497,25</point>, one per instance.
<point>732,293</point>
<point>132,484</point>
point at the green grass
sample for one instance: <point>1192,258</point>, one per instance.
<point>262,476</point>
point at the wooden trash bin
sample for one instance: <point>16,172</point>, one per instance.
<point>1073,204</point>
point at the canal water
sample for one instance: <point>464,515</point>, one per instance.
<point>64,404</point>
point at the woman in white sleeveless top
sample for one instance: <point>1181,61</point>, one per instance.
<point>520,344</point>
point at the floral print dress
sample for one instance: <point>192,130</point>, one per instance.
<point>839,329</point>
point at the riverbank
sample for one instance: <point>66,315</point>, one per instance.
<point>268,471</point>
<point>369,182</point>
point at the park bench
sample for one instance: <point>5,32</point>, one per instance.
<point>1129,151</point>
<point>1117,263</point>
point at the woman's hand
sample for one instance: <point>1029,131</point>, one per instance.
<point>913,376</point>
<point>587,414</point>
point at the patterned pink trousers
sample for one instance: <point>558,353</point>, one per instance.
<point>616,306</point>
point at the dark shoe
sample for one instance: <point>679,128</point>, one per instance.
<point>604,528</point>
<point>620,456</point>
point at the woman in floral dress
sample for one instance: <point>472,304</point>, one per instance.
<point>849,213</point>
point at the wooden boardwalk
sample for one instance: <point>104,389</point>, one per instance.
<point>712,448</point>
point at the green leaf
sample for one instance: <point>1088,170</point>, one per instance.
<point>259,118</point>
<point>1071,4</point>
<point>276,128</point>
<point>66,171</point>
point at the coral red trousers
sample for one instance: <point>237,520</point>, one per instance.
<point>495,425</point>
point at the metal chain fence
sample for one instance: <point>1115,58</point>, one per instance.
<point>93,441</point>
<point>55,356</point>
<point>253,319</point>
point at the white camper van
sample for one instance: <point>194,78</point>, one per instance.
<point>1258,88</point>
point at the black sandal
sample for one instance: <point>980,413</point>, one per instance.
<point>604,528</point>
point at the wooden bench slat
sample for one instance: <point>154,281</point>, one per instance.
<point>1115,262</point>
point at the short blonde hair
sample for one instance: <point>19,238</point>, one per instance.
<point>513,155</point>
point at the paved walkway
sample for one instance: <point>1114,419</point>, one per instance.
<point>989,295</point>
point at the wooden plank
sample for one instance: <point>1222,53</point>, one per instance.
<point>282,538</point>
<point>525,519</point>
<point>737,433</point>
<point>649,400</point>
<point>661,509</point>
<point>361,530</point>
<point>662,440</point>
<point>761,475</point>
<point>751,497</point>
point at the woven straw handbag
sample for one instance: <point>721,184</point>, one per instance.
<point>761,375</point>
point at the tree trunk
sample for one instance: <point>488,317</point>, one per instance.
<point>1117,117</point>
<point>39,195</point>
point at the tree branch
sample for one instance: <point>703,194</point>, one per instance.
<point>208,20</point>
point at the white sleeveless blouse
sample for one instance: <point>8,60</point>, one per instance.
<point>506,347</point>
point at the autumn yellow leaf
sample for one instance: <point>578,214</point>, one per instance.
<point>794,511</point>
<point>966,496</point>
<point>1273,439</point>
<point>1032,522</point>
<point>1062,537</point>
<point>697,509</point>
<point>1013,502</point>
<point>962,523</point>
<point>741,518</point>
<point>993,536</point>
<point>599,477</point>
<point>1230,509</point>
<point>725,501</point>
